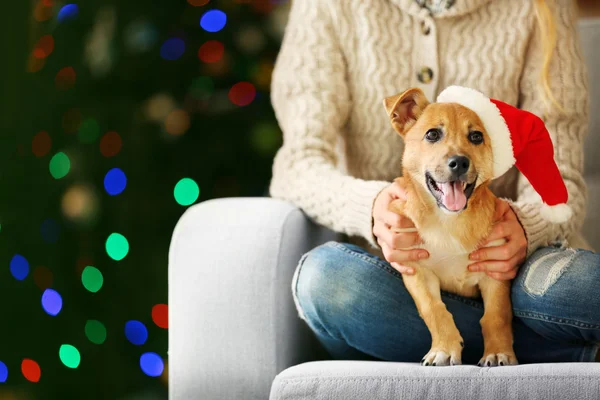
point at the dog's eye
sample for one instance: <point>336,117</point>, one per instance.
<point>433,135</point>
<point>476,137</point>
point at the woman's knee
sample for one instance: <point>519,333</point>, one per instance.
<point>322,280</point>
<point>561,275</point>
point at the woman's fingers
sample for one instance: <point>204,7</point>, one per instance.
<point>396,241</point>
<point>498,266</point>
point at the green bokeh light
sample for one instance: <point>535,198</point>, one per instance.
<point>89,131</point>
<point>186,192</point>
<point>202,88</point>
<point>92,279</point>
<point>60,165</point>
<point>117,246</point>
<point>266,138</point>
<point>95,331</point>
<point>69,356</point>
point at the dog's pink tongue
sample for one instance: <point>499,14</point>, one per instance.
<point>454,198</point>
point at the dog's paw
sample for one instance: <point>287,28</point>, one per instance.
<point>498,359</point>
<point>437,357</point>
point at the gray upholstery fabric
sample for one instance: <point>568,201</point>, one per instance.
<point>359,380</point>
<point>232,321</point>
<point>233,326</point>
<point>590,38</point>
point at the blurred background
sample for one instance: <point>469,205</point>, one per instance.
<point>116,116</point>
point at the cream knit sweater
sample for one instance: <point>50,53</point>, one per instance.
<point>340,59</point>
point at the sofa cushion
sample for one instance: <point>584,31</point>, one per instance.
<point>359,380</point>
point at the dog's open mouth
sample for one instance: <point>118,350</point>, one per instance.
<point>453,196</point>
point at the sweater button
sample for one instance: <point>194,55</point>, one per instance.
<point>425,75</point>
<point>425,28</point>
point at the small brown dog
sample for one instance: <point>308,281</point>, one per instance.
<point>447,167</point>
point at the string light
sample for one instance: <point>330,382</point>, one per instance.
<point>117,246</point>
<point>172,49</point>
<point>60,164</point>
<point>41,144</point>
<point>115,181</point>
<point>177,122</point>
<point>42,12</point>
<point>198,3</point>
<point>65,78</point>
<point>88,131</point>
<point>31,370</point>
<point>3,372</point>
<point>213,21</point>
<point>211,51</point>
<point>95,331</point>
<point>44,47</point>
<point>69,356</point>
<point>110,144</point>
<point>160,315</point>
<point>92,279</point>
<point>186,192</point>
<point>52,302</point>
<point>136,332</point>
<point>68,13</point>
<point>19,267</point>
<point>151,364</point>
<point>242,93</point>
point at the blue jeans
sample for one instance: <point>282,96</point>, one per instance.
<point>358,307</point>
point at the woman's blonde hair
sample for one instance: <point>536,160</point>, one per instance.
<point>547,26</point>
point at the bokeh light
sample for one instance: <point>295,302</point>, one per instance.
<point>177,122</point>
<point>3,372</point>
<point>140,36</point>
<point>69,355</point>
<point>265,138</point>
<point>250,40</point>
<point>44,47</point>
<point>50,231</point>
<point>186,192</point>
<point>117,246</point>
<point>92,279</point>
<point>80,204</point>
<point>172,49</point>
<point>159,106</point>
<point>65,78</point>
<point>81,263</point>
<point>213,20</point>
<point>42,277</point>
<point>115,181</point>
<point>52,302</point>
<point>110,144</point>
<point>42,12</point>
<point>242,93</point>
<point>88,131</point>
<point>211,51</point>
<point>198,3</point>
<point>136,332</point>
<point>60,165</point>
<point>71,120</point>
<point>19,267</point>
<point>41,144</point>
<point>67,13</point>
<point>160,315</point>
<point>95,331</point>
<point>151,364</point>
<point>31,370</point>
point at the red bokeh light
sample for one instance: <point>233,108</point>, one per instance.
<point>41,144</point>
<point>160,315</point>
<point>44,47</point>
<point>242,93</point>
<point>211,51</point>
<point>110,144</point>
<point>31,370</point>
<point>65,78</point>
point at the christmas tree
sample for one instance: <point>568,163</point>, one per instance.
<point>117,117</point>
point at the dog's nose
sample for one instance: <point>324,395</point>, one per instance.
<point>458,165</point>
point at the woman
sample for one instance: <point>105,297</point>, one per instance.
<point>339,60</point>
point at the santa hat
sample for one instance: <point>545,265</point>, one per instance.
<point>518,138</point>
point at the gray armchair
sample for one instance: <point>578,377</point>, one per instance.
<point>234,332</point>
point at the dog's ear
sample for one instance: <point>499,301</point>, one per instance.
<point>405,108</point>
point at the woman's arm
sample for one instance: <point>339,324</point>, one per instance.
<point>568,81</point>
<point>311,99</point>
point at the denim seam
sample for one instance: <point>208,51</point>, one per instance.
<point>397,274</point>
<point>562,321</point>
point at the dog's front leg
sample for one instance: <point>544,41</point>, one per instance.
<point>446,341</point>
<point>496,323</point>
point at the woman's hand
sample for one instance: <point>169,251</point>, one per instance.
<point>391,242</point>
<point>502,262</point>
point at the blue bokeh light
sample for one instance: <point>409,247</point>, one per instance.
<point>50,231</point>
<point>51,302</point>
<point>115,181</point>
<point>213,20</point>
<point>3,372</point>
<point>172,49</point>
<point>19,267</point>
<point>68,12</point>
<point>136,332</point>
<point>152,364</point>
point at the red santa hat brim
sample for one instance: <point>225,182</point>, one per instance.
<point>490,116</point>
